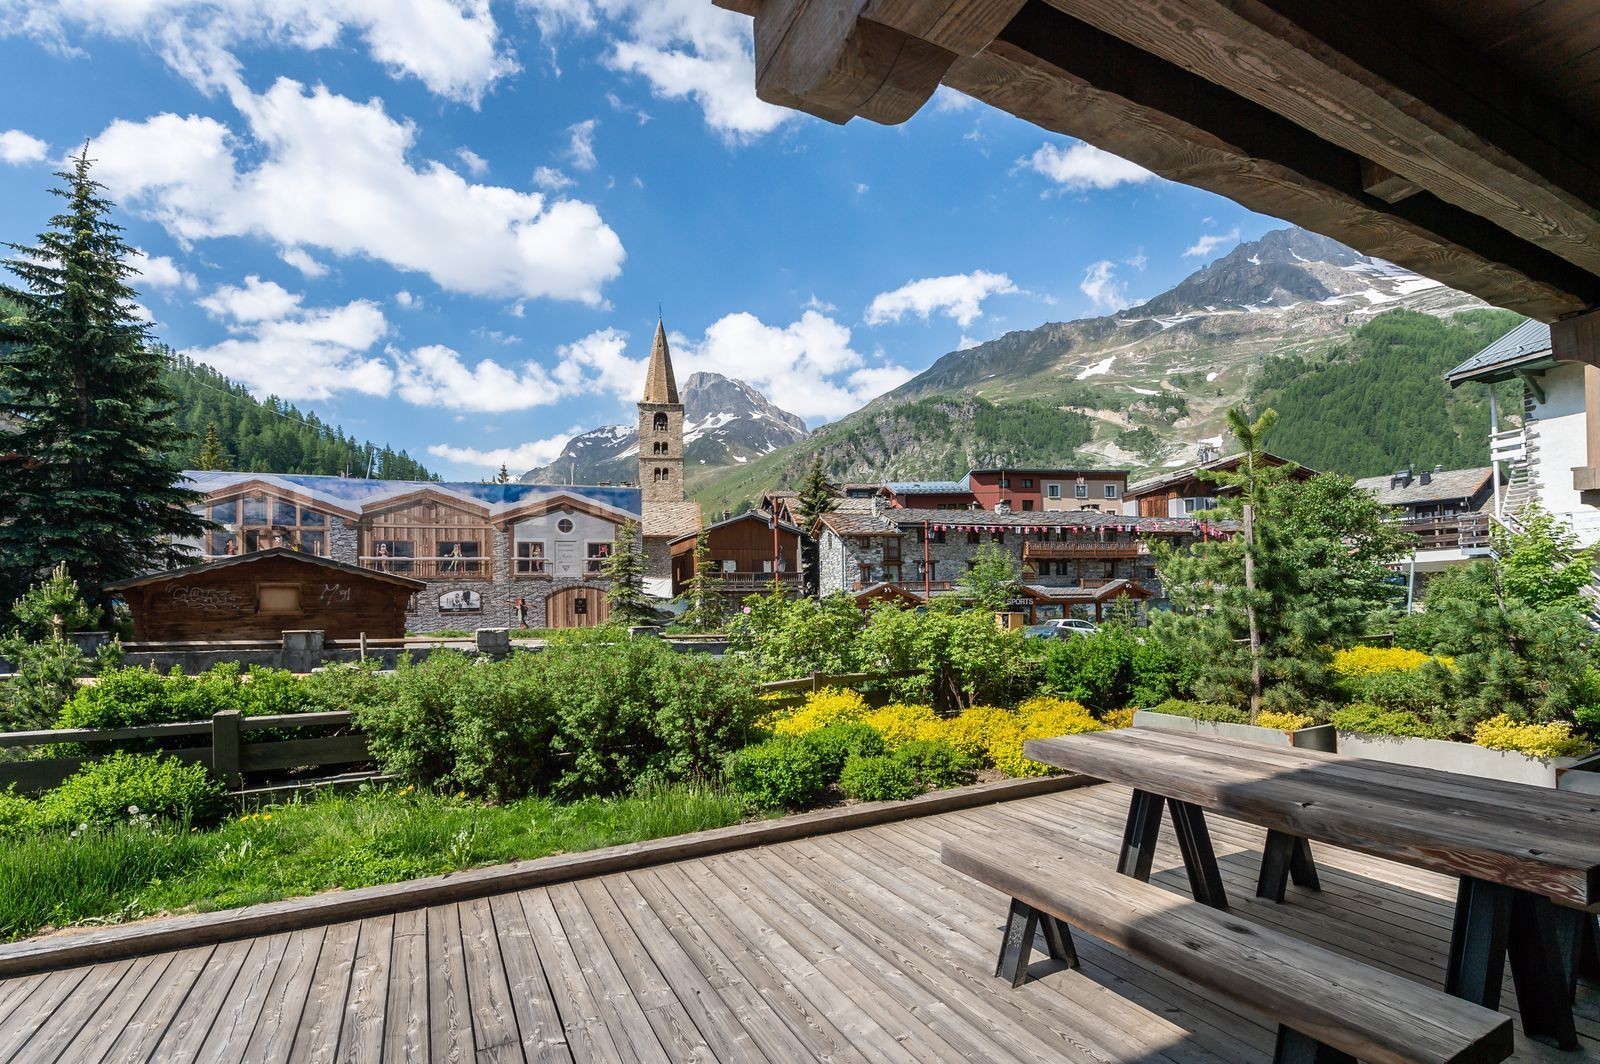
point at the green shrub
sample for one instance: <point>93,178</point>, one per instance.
<point>777,774</point>
<point>605,697</point>
<point>705,710</point>
<point>834,743</point>
<point>411,734</point>
<point>1177,707</point>
<point>349,687</point>
<point>17,813</point>
<point>127,786</point>
<point>45,680</point>
<point>1110,669</point>
<point>1364,718</point>
<point>1418,691</point>
<point>502,726</point>
<point>120,699</point>
<point>1588,718</point>
<point>936,764</point>
<point>878,779</point>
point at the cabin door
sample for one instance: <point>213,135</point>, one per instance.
<point>576,607</point>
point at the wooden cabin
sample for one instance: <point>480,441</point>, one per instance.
<point>263,594</point>
<point>746,551</point>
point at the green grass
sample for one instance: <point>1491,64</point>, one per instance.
<point>333,841</point>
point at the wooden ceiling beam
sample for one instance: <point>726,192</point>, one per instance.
<point>1387,83</point>
<point>1067,76</point>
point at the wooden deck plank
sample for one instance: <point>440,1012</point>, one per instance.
<point>47,995</point>
<point>449,1022</point>
<point>405,1014</point>
<point>494,1023</point>
<point>588,1037</point>
<point>145,1029</point>
<point>234,1023</point>
<point>84,1028</point>
<point>272,1037</point>
<point>191,1022</point>
<point>317,1039</point>
<point>361,1034</point>
<point>538,1023</point>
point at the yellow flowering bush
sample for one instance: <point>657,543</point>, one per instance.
<point>900,723</point>
<point>827,706</point>
<point>977,730</point>
<point>1118,718</point>
<point>1283,721</point>
<point>1039,718</point>
<point>1536,740</point>
<point>1365,661</point>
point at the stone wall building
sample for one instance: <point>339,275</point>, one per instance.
<point>489,555</point>
<point>667,516</point>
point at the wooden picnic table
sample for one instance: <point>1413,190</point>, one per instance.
<point>1528,858</point>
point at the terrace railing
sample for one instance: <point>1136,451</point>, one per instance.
<point>1052,551</point>
<point>1461,532</point>
<point>443,567</point>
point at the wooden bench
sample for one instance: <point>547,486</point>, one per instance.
<point>1329,1009</point>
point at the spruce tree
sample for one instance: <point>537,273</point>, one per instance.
<point>93,479</point>
<point>624,568</point>
<point>703,593</point>
<point>211,456</point>
<point>816,495</point>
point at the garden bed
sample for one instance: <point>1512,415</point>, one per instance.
<point>1472,760</point>
<point>1312,737</point>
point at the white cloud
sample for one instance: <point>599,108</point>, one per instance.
<point>1101,285</point>
<point>280,348</point>
<point>476,164</point>
<point>685,49</point>
<point>407,301</point>
<point>819,305</point>
<point>301,260</point>
<point>516,459</point>
<point>966,342</point>
<point>1083,166</point>
<point>19,148</point>
<point>435,375</point>
<point>195,176</point>
<point>159,271</point>
<point>451,46</point>
<point>598,364</point>
<point>580,144</point>
<point>960,296</point>
<point>1211,242</point>
<point>946,99</point>
<point>551,180</point>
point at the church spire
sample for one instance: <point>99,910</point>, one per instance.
<point>659,385</point>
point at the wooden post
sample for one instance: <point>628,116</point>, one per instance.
<point>363,646</point>
<point>225,743</point>
<point>816,682</point>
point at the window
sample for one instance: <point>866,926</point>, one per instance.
<point>974,537</point>
<point>278,598</point>
<point>1027,482</point>
<point>1194,505</point>
<point>564,526</point>
<point>936,536</point>
<point>530,559</point>
<point>393,556</point>
<point>659,423</point>
<point>1080,490</point>
<point>1111,491</point>
<point>459,556</point>
<point>1027,504</point>
<point>866,574</point>
<point>997,537</point>
<point>261,522</point>
<point>598,553</point>
<point>1052,491</point>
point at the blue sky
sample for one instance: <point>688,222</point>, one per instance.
<point>447,224</point>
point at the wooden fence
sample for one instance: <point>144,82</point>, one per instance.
<point>229,752</point>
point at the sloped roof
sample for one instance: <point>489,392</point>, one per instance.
<point>931,487</point>
<point>263,555</point>
<point>671,520</point>
<point>1155,483</point>
<point>350,494</point>
<point>660,387</point>
<point>892,522</point>
<point>1108,590</point>
<point>1524,347</point>
<point>748,515</point>
<point>1441,487</point>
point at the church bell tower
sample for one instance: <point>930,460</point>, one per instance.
<point>661,427</point>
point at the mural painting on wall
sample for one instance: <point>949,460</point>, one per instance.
<point>462,601</point>
<point>211,600</point>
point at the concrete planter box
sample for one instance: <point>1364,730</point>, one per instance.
<point>1568,773</point>
<point>1317,737</point>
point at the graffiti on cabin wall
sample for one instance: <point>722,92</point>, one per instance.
<point>206,599</point>
<point>335,595</point>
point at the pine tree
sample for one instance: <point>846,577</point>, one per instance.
<point>211,456</point>
<point>624,568</point>
<point>816,495</point>
<point>703,593</point>
<point>504,476</point>
<point>95,480</point>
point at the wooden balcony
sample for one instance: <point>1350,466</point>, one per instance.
<point>1090,549</point>
<point>757,583</point>
<point>1461,532</point>
<point>436,568</point>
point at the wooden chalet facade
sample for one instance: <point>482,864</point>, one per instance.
<point>1184,492</point>
<point>747,550</point>
<point>262,594</point>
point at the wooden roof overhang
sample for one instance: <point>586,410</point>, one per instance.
<point>1456,139</point>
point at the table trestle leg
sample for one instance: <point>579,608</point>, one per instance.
<point>1543,947</point>
<point>1139,837</point>
<point>1199,859</point>
<point>1023,921</point>
<point>1296,1048</point>
<point>1478,942</point>
<point>1286,857</point>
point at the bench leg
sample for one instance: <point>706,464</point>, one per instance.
<point>1286,857</point>
<point>1543,948</point>
<point>1296,1048</point>
<point>1022,921</point>
<point>1139,837</point>
<point>1478,942</point>
<point>1589,949</point>
<point>1199,859</point>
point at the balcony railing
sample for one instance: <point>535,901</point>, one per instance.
<point>748,583</point>
<point>1461,532</point>
<point>1049,551</point>
<point>430,568</point>
<point>914,585</point>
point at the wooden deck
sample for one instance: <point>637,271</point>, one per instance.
<point>857,946</point>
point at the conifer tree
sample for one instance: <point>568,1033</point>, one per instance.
<point>211,456</point>
<point>703,593</point>
<point>94,482</point>
<point>624,568</point>
<point>816,495</point>
<point>504,476</point>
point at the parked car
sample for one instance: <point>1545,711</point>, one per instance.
<point>1061,628</point>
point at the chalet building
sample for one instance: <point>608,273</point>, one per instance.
<point>1447,510</point>
<point>1184,492</point>
<point>1019,490</point>
<point>667,516</point>
<point>489,555</point>
<point>1553,459</point>
<point>263,594</point>
<point>1071,560</point>
<point>747,551</point>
